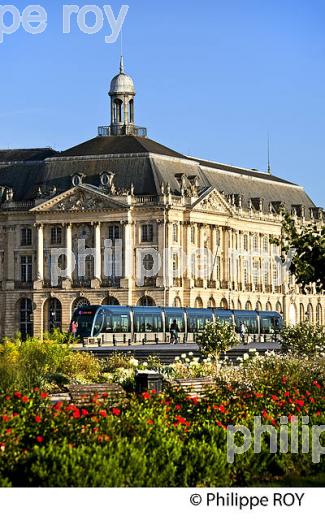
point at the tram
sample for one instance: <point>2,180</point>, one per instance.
<point>104,324</point>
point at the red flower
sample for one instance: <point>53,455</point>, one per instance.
<point>5,418</point>
<point>274,398</point>
<point>258,395</point>
<point>40,438</point>
<point>84,412</point>
<point>222,409</point>
<point>17,394</point>
<point>146,395</point>
<point>178,407</point>
<point>286,394</point>
<point>36,389</point>
<point>8,432</point>
<point>316,383</point>
<point>44,395</point>
<point>105,395</point>
<point>58,405</point>
<point>153,391</point>
<point>103,413</point>
<point>25,399</point>
<point>284,380</point>
<point>149,421</point>
<point>299,402</point>
<point>7,398</point>
<point>116,411</point>
<point>76,414</point>
<point>38,419</point>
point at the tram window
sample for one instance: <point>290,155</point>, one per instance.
<point>270,325</point>
<point>179,320</point>
<point>147,323</point>
<point>250,323</point>
<point>117,323</point>
<point>85,322</point>
<point>197,323</point>
<point>98,323</point>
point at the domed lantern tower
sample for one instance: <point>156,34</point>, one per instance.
<point>122,94</point>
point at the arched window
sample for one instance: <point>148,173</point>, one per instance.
<point>224,304</point>
<point>53,314</point>
<point>25,307</point>
<point>177,302</point>
<point>319,314</point>
<point>239,305</point>
<point>302,313</point>
<point>233,306</point>
<point>131,111</point>
<point>248,306</point>
<point>79,302</point>
<point>110,300</point>
<point>118,112</point>
<point>146,301</point>
<point>278,307</point>
<point>258,306</point>
<point>268,306</point>
<point>211,303</point>
<point>198,304</point>
<point>310,313</point>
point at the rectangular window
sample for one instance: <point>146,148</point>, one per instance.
<point>26,237</point>
<point>26,269</point>
<point>147,233</point>
<point>193,235</point>
<point>256,271</point>
<point>56,236</point>
<point>175,232</point>
<point>113,233</point>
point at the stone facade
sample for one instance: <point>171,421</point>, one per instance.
<point>143,199</point>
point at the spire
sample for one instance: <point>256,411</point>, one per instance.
<point>122,64</point>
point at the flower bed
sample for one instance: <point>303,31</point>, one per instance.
<point>153,440</point>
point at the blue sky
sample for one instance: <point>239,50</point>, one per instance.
<point>213,79</point>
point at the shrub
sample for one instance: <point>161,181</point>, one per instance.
<point>304,338</point>
<point>217,338</point>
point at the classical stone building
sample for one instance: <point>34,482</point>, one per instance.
<point>125,188</point>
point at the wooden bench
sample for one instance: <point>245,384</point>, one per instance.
<point>196,387</point>
<point>84,394</point>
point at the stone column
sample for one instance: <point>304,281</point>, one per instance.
<point>98,253</point>
<point>40,253</point>
<point>68,245</point>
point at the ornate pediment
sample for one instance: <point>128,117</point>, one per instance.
<point>81,198</point>
<point>212,201</point>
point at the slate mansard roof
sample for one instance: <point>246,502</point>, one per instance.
<point>142,162</point>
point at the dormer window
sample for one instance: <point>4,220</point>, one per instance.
<point>77,179</point>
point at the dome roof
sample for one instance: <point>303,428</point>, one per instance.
<point>122,83</point>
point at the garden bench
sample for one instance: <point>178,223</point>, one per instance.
<point>196,387</point>
<point>84,394</point>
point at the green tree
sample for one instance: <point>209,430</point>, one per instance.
<point>308,263</point>
<point>303,338</point>
<point>217,338</point>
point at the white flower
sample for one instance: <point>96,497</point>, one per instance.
<point>183,356</point>
<point>191,354</point>
<point>177,358</point>
<point>145,364</point>
<point>134,362</point>
<point>246,356</point>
